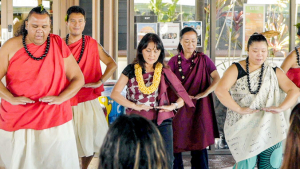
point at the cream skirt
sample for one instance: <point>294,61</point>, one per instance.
<point>53,148</point>
<point>90,127</point>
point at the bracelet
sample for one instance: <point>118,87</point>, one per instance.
<point>176,105</point>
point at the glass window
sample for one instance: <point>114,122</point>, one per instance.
<point>168,17</point>
<point>230,23</point>
<point>48,4</point>
<point>21,9</point>
<point>297,21</point>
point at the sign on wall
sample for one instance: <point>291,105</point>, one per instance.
<point>143,29</point>
<point>169,34</point>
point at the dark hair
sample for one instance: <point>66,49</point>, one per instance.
<point>298,33</point>
<point>74,9</point>
<point>256,37</point>
<point>149,37</point>
<point>182,32</point>
<point>133,142</point>
<point>38,10</point>
<point>292,147</point>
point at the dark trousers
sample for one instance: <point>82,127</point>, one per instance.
<point>199,160</point>
<point>166,132</point>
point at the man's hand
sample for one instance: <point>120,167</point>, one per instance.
<point>51,100</point>
<point>20,101</point>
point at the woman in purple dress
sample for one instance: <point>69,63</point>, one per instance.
<point>194,129</point>
<point>148,83</point>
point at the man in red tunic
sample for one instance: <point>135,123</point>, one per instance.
<point>89,120</point>
<point>36,130</point>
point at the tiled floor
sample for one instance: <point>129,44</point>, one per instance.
<point>215,162</point>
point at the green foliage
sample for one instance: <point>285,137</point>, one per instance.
<point>171,54</point>
<point>297,25</point>
<point>277,22</point>
<point>166,12</point>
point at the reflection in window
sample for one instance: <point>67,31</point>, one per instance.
<point>230,30</point>
<point>21,9</point>
<point>169,16</point>
<point>297,21</point>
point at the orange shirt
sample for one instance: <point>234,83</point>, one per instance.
<point>35,79</point>
<point>90,67</point>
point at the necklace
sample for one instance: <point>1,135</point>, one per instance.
<point>45,53</point>
<point>297,56</point>
<point>179,64</point>
<point>260,77</point>
<point>82,46</point>
<point>156,78</point>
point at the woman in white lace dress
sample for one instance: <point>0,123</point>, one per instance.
<point>254,90</point>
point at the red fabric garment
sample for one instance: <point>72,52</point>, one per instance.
<point>90,67</point>
<point>168,81</point>
<point>35,79</point>
<point>194,129</point>
<point>294,75</point>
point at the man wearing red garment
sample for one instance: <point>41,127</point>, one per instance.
<point>36,130</point>
<point>89,120</point>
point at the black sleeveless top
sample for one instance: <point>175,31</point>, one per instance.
<point>242,72</point>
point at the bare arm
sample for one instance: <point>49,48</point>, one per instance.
<point>4,60</point>
<point>111,67</point>
<point>216,78</point>
<point>76,79</point>
<point>289,61</point>
<point>116,95</point>
<point>289,88</point>
<point>166,108</point>
<point>222,91</point>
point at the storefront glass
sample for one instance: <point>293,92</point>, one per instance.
<point>297,43</point>
<point>236,16</point>
<point>21,9</point>
<point>168,17</point>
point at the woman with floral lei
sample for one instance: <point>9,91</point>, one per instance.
<point>194,129</point>
<point>291,64</point>
<point>148,83</point>
<point>258,108</point>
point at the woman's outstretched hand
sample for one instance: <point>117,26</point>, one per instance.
<point>140,107</point>
<point>273,109</point>
<point>247,110</point>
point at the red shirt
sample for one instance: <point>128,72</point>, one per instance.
<point>90,67</point>
<point>294,75</point>
<point>35,79</point>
